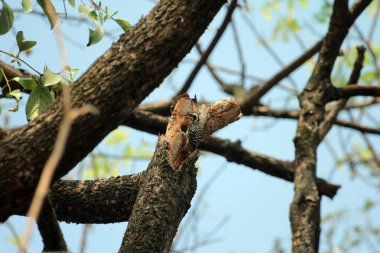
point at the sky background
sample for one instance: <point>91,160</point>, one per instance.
<point>241,210</point>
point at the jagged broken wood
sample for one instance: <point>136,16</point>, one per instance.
<point>212,117</point>
<point>169,183</point>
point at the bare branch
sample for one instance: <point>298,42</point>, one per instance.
<point>305,207</point>
<point>358,90</point>
<point>263,110</point>
<point>232,151</point>
<point>332,115</point>
<point>102,86</point>
<point>50,231</point>
<point>255,94</point>
<point>209,49</point>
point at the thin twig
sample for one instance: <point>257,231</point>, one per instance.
<point>239,50</point>
<point>266,45</point>
<point>332,115</point>
<point>21,60</point>
<point>210,48</point>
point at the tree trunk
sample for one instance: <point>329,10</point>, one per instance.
<point>163,199</point>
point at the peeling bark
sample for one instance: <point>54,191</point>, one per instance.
<point>169,183</point>
<point>163,199</point>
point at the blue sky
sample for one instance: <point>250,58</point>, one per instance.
<point>253,205</point>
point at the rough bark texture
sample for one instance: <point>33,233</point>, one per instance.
<point>95,201</point>
<point>50,231</point>
<point>305,207</point>
<point>163,199</point>
<point>232,151</point>
<point>115,84</point>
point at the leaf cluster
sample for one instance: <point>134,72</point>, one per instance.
<point>43,91</point>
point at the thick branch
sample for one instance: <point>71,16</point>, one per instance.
<point>12,72</point>
<point>257,92</point>
<point>115,84</point>
<point>358,90</point>
<point>232,151</point>
<point>50,231</point>
<point>332,115</point>
<point>171,175</point>
<point>95,201</point>
<point>154,222</point>
<point>305,207</point>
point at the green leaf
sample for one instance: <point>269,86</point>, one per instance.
<point>6,18</point>
<point>284,27</point>
<point>19,37</point>
<point>108,16</point>
<point>304,3</point>
<point>72,71</point>
<point>26,82</point>
<point>39,99</point>
<point>324,13</point>
<point>0,109</point>
<point>93,16</point>
<point>124,24</point>
<point>84,10</point>
<point>72,3</point>
<point>116,137</point>
<point>52,95</point>
<point>368,205</point>
<point>26,5</point>
<point>95,36</point>
<point>368,76</point>
<point>50,78</point>
<point>101,17</point>
<point>49,11</point>
<point>22,44</point>
<point>15,94</point>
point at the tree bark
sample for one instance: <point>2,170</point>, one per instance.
<point>305,207</point>
<point>116,82</point>
<point>95,201</point>
<point>163,199</point>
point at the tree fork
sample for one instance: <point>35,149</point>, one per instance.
<point>305,207</point>
<point>169,183</point>
<point>115,84</point>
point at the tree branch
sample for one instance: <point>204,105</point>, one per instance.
<point>305,207</point>
<point>358,90</point>
<point>153,222</point>
<point>209,49</point>
<point>263,110</point>
<point>332,115</point>
<point>12,72</point>
<point>257,92</point>
<point>50,231</point>
<point>232,151</point>
<point>144,55</point>
<point>95,201</point>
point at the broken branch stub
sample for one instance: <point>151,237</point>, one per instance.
<point>212,117</point>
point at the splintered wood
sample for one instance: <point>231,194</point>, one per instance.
<point>212,117</point>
